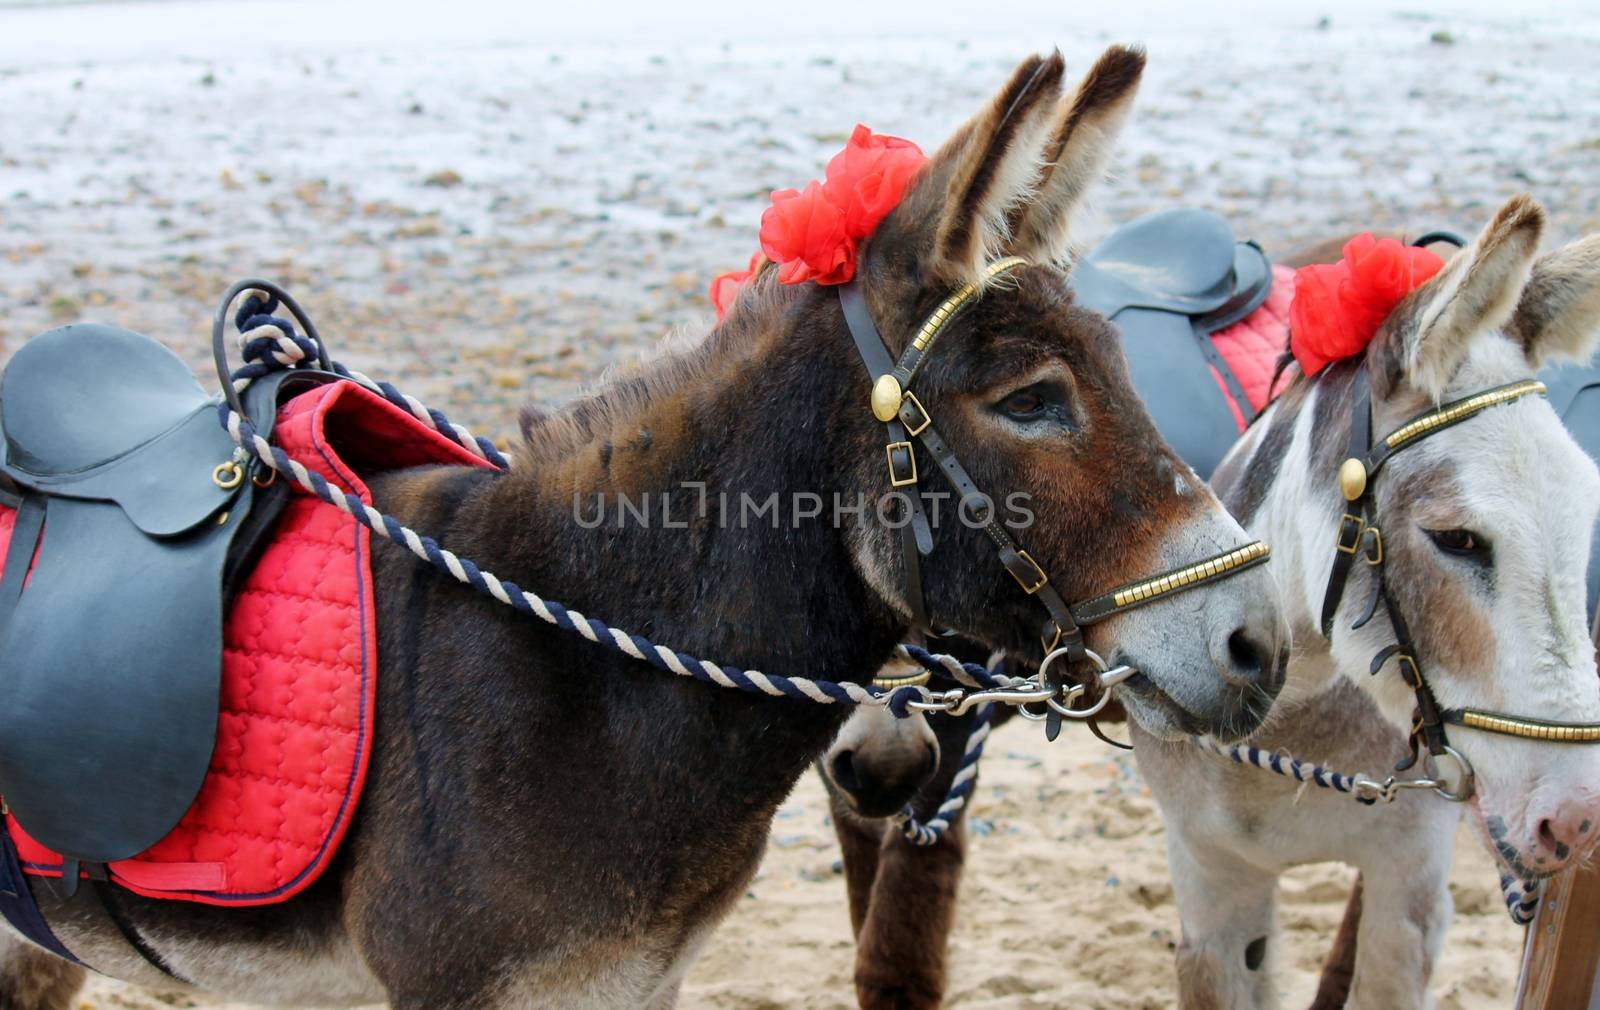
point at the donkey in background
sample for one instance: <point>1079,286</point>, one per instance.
<point>1486,528</point>
<point>487,868</point>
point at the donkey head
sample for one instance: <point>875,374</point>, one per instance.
<point>1486,528</point>
<point>1032,393</point>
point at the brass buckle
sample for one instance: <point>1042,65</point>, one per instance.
<point>920,426</point>
<point>1406,661</point>
<point>1043,578</point>
<point>1356,527</point>
<point>1050,646</point>
<point>1374,553</point>
<point>894,478</point>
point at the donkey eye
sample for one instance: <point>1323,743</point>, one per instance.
<point>1040,401</point>
<point>1024,404</point>
<point>1463,543</point>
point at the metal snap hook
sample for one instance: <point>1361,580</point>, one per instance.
<point>1466,783</point>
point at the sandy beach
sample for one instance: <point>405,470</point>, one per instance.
<point>494,210</point>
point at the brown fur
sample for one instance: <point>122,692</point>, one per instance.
<point>1339,969</point>
<point>1457,633</point>
<point>30,978</point>
<point>1100,101</point>
<point>987,145</point>
<point>1197,983</point>
<point>579,820</point>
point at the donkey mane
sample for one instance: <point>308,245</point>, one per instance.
<point>670,375</point>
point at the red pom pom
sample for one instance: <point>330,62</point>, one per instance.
<point>1338,307</point>
<point>867,179</point>
<point>804,234</point>
<point>725,287</point>
<point>811,234</point>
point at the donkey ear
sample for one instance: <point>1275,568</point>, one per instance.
<point>995,163</point>
<point>1559,314</point>
<point>1475,293</point>
<point>1075,158</point>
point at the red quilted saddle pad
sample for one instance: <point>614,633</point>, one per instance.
<point>1253,345</point>
<point>298,676</point>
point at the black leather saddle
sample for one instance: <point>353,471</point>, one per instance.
<point>1169,280</point>
<point>1575,395</point>
<point>111,653</point>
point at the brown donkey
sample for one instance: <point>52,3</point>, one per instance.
<point>546,824</point>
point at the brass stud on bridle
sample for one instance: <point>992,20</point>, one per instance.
<point>1352,479</point>
<point>886,396</point>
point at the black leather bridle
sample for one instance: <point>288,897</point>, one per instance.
<point>905,418</point>
<point>1360,536</point>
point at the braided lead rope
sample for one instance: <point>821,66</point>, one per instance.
<point>1521,896</point>
<point>263,336</point>
<point>269,343</point>
<point>1283,764</point>
<point>930,832</point>
<point>974,675</point>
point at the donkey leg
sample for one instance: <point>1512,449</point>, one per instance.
<point>1406,909</point>
<point>859,841</point>
<point>900,952</point>
<point>1228,910</point>
<point>30,979</point>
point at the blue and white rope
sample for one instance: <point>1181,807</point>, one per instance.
<point>925,833</point>
<point>1282,764</point>
<point>1521,896</point>
<point>271,343</point>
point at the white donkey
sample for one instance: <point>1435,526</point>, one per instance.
<point>1485,526</point>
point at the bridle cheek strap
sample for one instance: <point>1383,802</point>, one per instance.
<point>905,418</point>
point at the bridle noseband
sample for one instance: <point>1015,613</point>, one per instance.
<point>905,418</point>
<point>1360,536</point>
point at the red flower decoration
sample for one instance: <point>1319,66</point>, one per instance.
<point>725,287</point>
<point>1338,307</point>
<point>867,179</point>
<point>812,234</point>
<point>804,234</point>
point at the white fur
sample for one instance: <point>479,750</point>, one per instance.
<point>1520,481</point>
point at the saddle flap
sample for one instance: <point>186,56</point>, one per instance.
<point>1172,375</point>
<point>166,487</point>
<point>1575,395</point>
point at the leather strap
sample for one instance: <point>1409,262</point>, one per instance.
<point>1215,359</point>
<point>913,421</point>
<point>916,535</point>
<point>1361,536</point>
<point>1353,523</point>
<point>29,524</point>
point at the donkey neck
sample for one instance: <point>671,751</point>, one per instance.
<point>675,502</point>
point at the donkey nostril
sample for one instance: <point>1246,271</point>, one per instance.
<point>1550,841</point>
<point>1247,657</point>
<point>843,770</point>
